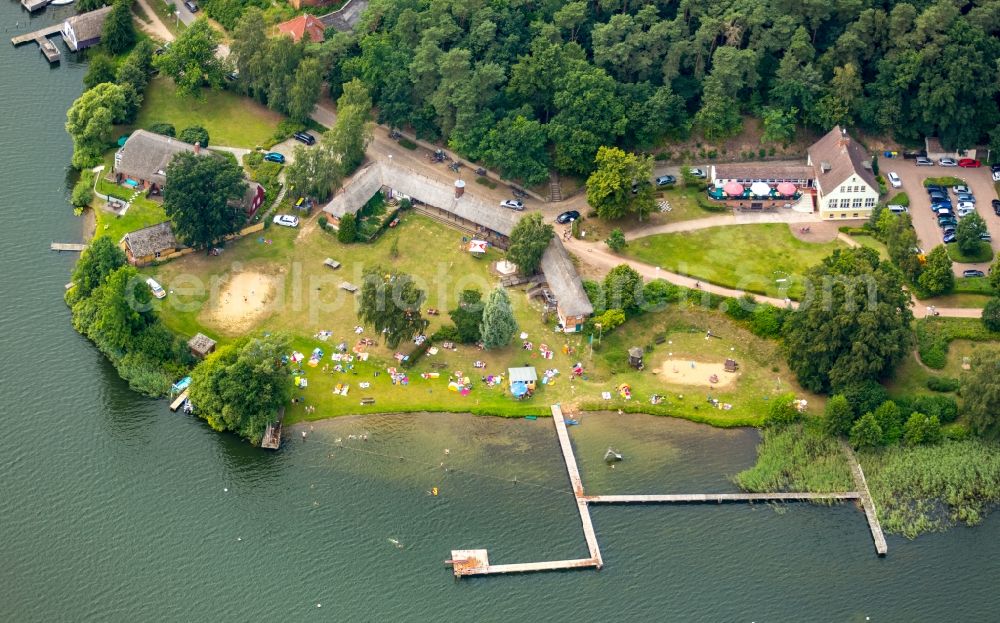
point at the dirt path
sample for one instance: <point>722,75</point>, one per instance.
<point>154,27</point>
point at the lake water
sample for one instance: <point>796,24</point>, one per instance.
<point>114,509</point>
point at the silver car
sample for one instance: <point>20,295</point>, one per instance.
<point>923,161</point>
<point>947,162</point>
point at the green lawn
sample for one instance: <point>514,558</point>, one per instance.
<point>231,120</point>
<point>142,213</point>
<point>684,206</point>
<point>308,301</point>
<point>874,243</point>
<point>747,257</point>
<point>984,254</point>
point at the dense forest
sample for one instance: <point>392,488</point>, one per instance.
<point>517,82</point>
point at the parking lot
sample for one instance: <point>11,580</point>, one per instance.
<point>979,181</point>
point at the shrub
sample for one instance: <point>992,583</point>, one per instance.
<point>166,129</point>
<point>761,153</point>
<point>991,314</point>
<point>866,433</point>
<point>661,156</point>
<point>942,384</point>
<point>447,333</point>
<point>741,308</point>
<point>920,428</point>
<point>945,408</point>
<point>864,397</point>
<point>838,415</point>
<point>322,222</point>
<point>782,411</point>
<point>767,321</point>
<point>348,231</point>
<point>194,134</point>
<point>406,143</point>
<point>253,159</point>
<point>485,181</point>
<point>616,239</point>
<point>286,128</point>
<point>83,192</point>
<point>416,354</point>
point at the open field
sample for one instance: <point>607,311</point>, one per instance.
<point>747,257</point>
<point>683,207</point>
<point>307,301</point>
<point>231,120</point>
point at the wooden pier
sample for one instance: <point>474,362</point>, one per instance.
<point>881,547</point>
<point>41,37</point>
<point>67,246</point>
<point>272,436</point>
<point>176,404</point>
<point>466,562</point>
<point>35,5</point>
<point>697,498</point>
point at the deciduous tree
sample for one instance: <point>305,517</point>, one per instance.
<point>89,122</point>
<point>920,428</point>
<point>528,242</point>
<point>981,393</point>
<point>306,89</point>
<point>194,134</point>
<point>199,197</point>
<point>100,68</point>
<point>518,148</point>
<point>353,129</point>
<point>609,187</point>
<point>837,415</point>
<point>968,234</point>
<point>468,316</point>
<point>856,327</point>
<point>390,304</point>
<point>101,258</point>
<point>937,277</point>
<point>623,288</point>
<point>866,433</point>
<point>241,387</point>
<point>192,61</point>
<point>991,314</point>
<point>616,240</point>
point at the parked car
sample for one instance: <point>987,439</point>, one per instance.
<point>948,238</point>
<point>156,288</point>
<point>960,188</point>
<point>996,206</point>
<point>933,187</point>
<point>969,197</point>
<point>666,180</point>
<point>924,161</point>
<point>967,206</point>
<point>305,137</point>
<point>286,220</point>
<point>512,204</point>
<point>894,180</point>
<point>972,272</point>
<point>937,195</point>
<point>964,212</point>
<point>567,217</point>
<point>191,6</point>
<point>947,225</point>
<point>273,156</point>
<point>897,209</point>
<point>986,237</point>
<point>969,163</point>
<point>698,173</point>
<point>947,162</point>
<point>941,205</point>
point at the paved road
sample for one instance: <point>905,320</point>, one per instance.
<point>924,221</point>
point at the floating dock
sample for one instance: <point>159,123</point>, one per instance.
<point>272,436</point>
<point>881,547</point>
<point>41,37</point>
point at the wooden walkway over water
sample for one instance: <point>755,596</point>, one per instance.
<point>67,246</point>
<point>466,562</point>
<point>696,498</point>
<point>477,562</point>
<point>881,547</point>
<point>41,37</point>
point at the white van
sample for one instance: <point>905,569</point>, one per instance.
<point>894,180</point>
<point>898,209</point>
<point>156,288</point>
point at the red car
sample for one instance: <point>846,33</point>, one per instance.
<point>969,163</point>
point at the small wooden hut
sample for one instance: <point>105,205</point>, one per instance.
<point>731,365</point>
<point>201,345</point>
<point>635,357</point>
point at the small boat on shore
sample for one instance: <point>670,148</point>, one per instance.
<point>612,456</point>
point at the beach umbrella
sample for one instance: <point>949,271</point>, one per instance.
<point>786,189</point>
<point>477,246</point>
<point>733,189</point>
<point>518,389</point>
<point>761,189</point>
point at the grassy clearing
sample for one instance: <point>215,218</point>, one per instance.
<point>983,254</point>
<point>309,301</point>
<point>797,458</point>
<point>930,488</point>
<point>899,199</point>
<point>873,243</point>
<point>230,119</point>
<point>968,301</point>
<point>684,207</point>
<point>747,257</point>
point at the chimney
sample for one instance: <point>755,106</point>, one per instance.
<point>459,188</point>
<point>197,147</point>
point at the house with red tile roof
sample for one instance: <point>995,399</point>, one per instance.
<point>301,26</point>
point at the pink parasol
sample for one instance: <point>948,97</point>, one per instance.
<point>733,189</point>
<point>786,189</point>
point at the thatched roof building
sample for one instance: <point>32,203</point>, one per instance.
<point>149,243</point>
<point>574,305</point>
<point>201,345</point>
<point>145,156</point>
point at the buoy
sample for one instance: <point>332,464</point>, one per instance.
<point>434,491</point>
<point>225,489</point>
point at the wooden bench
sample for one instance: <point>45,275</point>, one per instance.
<point>439,365</point>
<point>367,401</point>
<point>661,339</point>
